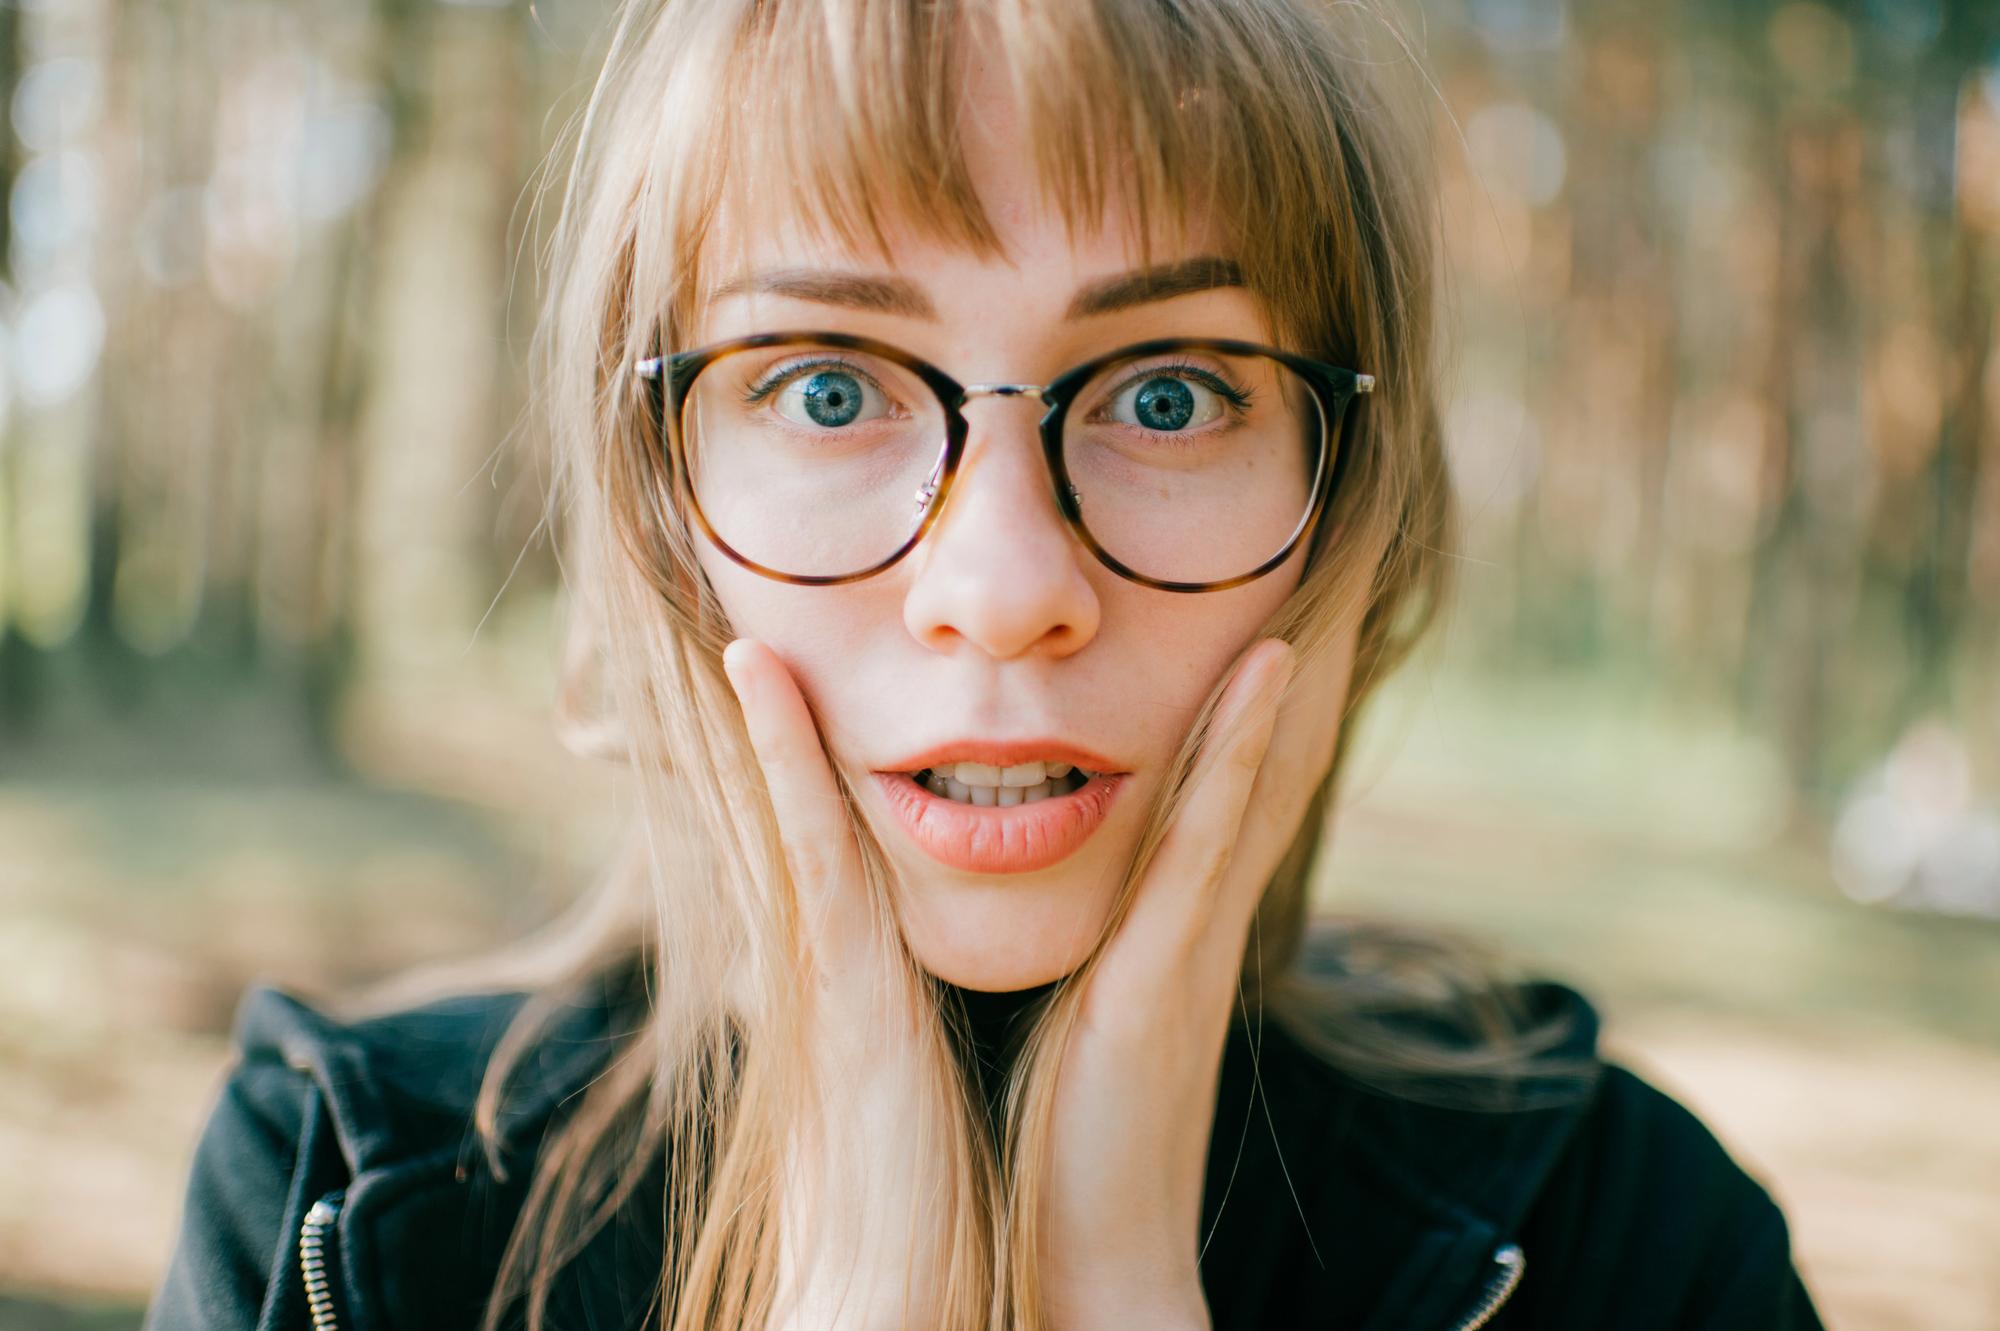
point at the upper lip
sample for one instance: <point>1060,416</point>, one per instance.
<point>1003,753</point>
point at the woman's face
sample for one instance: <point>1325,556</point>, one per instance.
<point>1000,640</point>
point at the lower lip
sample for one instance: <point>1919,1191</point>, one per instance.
<point>984,839</point>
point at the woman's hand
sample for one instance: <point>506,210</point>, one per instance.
<point>1136,1102</point>
<point>858,1243</point>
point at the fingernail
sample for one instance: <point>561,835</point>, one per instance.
<point>1280,668</point>
<point>740,679</point>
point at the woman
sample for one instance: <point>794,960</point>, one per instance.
<point>1000,442</point>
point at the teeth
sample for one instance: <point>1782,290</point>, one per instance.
<point>998,793</point>
<point>1023,775</point>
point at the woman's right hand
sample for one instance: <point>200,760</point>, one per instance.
<point>859,1243</point>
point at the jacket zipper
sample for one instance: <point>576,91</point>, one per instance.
<point>1512,1262</point>
<point>319,1291</point>
<point>313,1237</point>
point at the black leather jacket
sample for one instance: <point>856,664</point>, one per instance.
<point>337,1185</point>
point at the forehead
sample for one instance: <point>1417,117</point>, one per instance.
<point>1049,291</point>
<point>1009,211</point>
<point>1071,290</point>
<point>762,228</point>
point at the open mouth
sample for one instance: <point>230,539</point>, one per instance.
<point>1005,817</point>
<point>1001,787</point>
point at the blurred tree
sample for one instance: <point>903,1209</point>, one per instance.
<point>1725,303</point>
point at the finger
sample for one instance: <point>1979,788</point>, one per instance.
<point>1176,899</point>
<point>1297,760</point>
<point>812,815</point>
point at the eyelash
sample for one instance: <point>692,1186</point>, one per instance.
<point>775,379</point>
<point>1235,397</point>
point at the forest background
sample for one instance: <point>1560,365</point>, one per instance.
<point>1714,731</point>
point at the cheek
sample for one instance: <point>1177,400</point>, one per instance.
<point>821,634</point>
<point>1196,637</point>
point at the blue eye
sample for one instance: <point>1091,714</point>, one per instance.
<point>830,399</point>
<point>1164,404</point>
<point>1167,404</point>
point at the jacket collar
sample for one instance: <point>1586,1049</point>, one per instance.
<point>1386,1208</point>
<point>1323,1192</point>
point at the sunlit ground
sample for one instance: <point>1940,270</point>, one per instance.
<point>1849,1055</point>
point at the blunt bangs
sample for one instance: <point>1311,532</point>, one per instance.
<point>847,113</point>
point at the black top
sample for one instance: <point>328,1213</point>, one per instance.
<point>988,1029</point>
<point>1328,1204</point>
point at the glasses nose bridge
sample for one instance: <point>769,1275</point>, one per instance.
<point>1039,392</point>
<point>970,392</point>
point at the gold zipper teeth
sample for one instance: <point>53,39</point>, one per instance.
<point>312,1262</point>
<point>1512,1263</point>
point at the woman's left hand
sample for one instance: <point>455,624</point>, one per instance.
<point>1136,1101</point>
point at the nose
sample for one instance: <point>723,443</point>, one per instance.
<point>999,573</point>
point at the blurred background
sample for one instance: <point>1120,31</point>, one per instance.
<point>1714,732</point>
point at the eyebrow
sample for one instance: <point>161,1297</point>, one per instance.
<point>854,291</point>
<point>899,295</point>
<point>1154,284</point>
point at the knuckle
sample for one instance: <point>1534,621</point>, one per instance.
<point>1211,863</point>
<point>809,862</point>
<point>1247,754</point>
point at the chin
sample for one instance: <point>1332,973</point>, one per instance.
<point>997,935</point>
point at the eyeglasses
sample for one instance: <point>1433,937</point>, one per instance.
<point>1185,464</point>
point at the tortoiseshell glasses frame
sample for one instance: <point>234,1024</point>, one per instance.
<point>667,382</point>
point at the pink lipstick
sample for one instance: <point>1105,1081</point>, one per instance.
<point>1020,807</point>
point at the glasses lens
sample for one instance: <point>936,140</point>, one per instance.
<point>1195,466</point>
<point>812,461</point>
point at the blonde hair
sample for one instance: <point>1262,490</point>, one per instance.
<point>1280,118</point>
